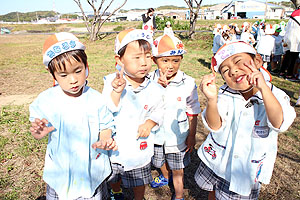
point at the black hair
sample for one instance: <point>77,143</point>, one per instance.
<point>59,62</point>
<point>143,44</point>
<point>150,10</point>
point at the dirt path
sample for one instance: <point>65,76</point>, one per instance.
<point>16,99</point>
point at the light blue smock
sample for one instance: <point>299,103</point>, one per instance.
<point>72,167</point>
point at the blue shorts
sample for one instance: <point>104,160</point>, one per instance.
<point>132,178</point>
<point>100,193</point>
<point>208,180</point>
<point>176,161</point>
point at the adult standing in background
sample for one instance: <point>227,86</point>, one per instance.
<point>292,43</point>
<point>149,21</point>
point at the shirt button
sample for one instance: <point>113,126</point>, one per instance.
<point>236,156</point>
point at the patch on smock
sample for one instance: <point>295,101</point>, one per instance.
<point>260,131</point>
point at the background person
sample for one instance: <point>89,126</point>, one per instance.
<point>149,23</point>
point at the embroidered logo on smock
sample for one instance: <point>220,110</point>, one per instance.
<point>146,107</point>
<point>258,171</point>
<point>257,122</point>
<point>178,98</point>
<point>211,151</point>
<point>98,155</point>
<point>143,145</point>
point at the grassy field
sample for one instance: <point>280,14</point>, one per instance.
<point>23,77</point>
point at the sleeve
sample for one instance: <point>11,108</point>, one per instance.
<point>106,119</point>
<point>106,92</point>
<point>145,19</point>
<point>157,112</point>
<point>223,109</point>
<point>193,105</point>
<point>289,113</point>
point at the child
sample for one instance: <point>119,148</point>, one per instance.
<point>176,137</point>
<point>277,51</point>
<point>218,40</point>
<point>72,114</point>
<point>168,29</point>
<point>137,104</point>
<point>247,36</point>
<point>266,46</point>
<point>244,120</point>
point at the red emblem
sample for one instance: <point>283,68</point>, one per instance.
<point>178,98</point>
<point>155,43</point>
<point>143,145</point>
<point>98,155</point>
<point>146,107</point>
<point>146,27</point>
<point>179,46</point>
<point>257,122</point>
<point>213,63</point>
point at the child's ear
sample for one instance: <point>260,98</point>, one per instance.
<point>118,60</point>
<point>258,60</point>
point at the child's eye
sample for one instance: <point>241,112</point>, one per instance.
<point>226,70</point>
<point>62,75</point>
<point>78,71</point>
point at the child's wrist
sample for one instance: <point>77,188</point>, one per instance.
<point>118,92</point>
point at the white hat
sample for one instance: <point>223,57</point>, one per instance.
<point>269,29</point>
<point>60,43</point>
<point>167,45</point>
<point>129,35</point>
<point>228,50</point>
<point>168,23</point>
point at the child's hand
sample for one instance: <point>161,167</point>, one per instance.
<point>255,78</point>
<point>108,144</point>
<point>145,129</point>
<point>119,82</point>
<point>162,80</point>
<point>208,87</point>
<point>190,143</point>
<point>39,128</point>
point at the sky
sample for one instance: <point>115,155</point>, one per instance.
<point>69,6</point>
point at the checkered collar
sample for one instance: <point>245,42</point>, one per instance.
<point>142,86</point>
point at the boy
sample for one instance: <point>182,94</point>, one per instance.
<point>72,114</point>
<point>175,139</point>
<point>137,105</point>
<point>244,120</point>
<point>277,51</point>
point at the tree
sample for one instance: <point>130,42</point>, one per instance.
<point>193,15</point>
<point>94,25</point>
<point>296,3</point>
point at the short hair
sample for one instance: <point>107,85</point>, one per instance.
<point>59,62</point>
<point>143,44</point>
<point>150,10</point>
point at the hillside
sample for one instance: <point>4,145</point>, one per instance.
<point>27,17</point>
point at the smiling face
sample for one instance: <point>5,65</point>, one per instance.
<point>169,65</point>
<point>235,70</point>
<point>136,60</point>
<point>72,78</point>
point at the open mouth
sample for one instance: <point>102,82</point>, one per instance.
<point>239,79</point>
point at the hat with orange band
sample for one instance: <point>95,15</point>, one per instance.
<point>167,45</point>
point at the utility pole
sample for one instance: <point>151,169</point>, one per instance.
<point>18,17</point>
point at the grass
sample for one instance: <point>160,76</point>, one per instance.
<point>22,157</point>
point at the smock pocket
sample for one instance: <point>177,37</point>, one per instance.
<point>183,121</point>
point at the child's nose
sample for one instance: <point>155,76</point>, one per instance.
<point>73,79</point>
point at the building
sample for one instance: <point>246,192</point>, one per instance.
<point>253,9</point>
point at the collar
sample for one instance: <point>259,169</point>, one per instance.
<point>255,99</point>
<point>142,86</point>
<point>178,79</point>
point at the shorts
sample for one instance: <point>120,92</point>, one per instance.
<point>176,161</point>
<point>276,58</point>
<point>100,193</point>
<point>208,180</point>
<point>266,58</point>
<point>132,178</point>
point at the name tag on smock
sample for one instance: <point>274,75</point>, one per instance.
<point>260,131</point>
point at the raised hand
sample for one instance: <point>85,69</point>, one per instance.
<point>208,87</point>
<point>39,128</point>
<point>108,144</point>
<point>119,82</point>
<point>255,78</point>
<point>162,80</point>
